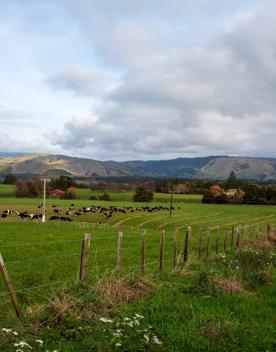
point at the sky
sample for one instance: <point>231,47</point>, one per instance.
<point>139,79</point>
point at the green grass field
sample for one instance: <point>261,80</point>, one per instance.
<point>127,196</point>
<point>186,309</point>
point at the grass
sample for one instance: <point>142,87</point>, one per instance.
<point>7,191</point>
<point>221,303</point>
<point>127,196</point>
<point>116,196</point>
<point>179,311</point>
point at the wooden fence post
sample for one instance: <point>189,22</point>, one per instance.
<point>225,240</point>
<point>232,237</point>
<point>9,286</point>
<point>186,244</point>
<point>175,249</point>
<point>119,253</point>
<point>143,252</point>
<point>208,242</point>
<point>200,244</point>
<point>217,241</point>
<point>161,257</point>
<point>268,232</point>
<point>238,242</point>
<point>85,252</point>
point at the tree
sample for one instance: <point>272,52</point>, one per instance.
<point>10,179</point>
<point>29,189</point>
<point>105,197</point>
<point>143,195</point>
<point>63,183</point>
<point>232,181</point>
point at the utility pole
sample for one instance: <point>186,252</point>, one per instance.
<point>45,180</point>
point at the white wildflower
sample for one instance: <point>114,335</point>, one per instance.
<point>146,338</point>
<point>156,340</point>
<point>130,324</point>
<point>23,344</point>
<point>6,330</point>
<point>40,342</point>
<point>105,320</point>
<point>118,333</point>
<point>126,319</point>
<point>138,316</point>
<point>15,333</point>
<point>118,344</point>
<point>19,350</point>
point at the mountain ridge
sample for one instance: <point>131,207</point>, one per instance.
<point>214,167</point>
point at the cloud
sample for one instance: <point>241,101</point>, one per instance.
<point>140,79</point>
<point>80,80</point>
<point>211,97</point>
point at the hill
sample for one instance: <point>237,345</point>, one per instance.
<point>214,167</point>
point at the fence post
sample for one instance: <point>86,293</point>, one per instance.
<point>238,242</point>
<point>119,253</point>
<point>225,240</point>
<point>161,258</point>
<point>200,243</point>
<point>208,242</point>
<point>143,252</point>
<point>85,252</point>
<point>186,244</point>
<point>232,237</point>
<point>217,241</point>
<point>9,286</point>
<point>268,232</point>
<point>175,249</point>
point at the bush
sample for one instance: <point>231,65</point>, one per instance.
<point>93,197</point>
<point>68,195</point>
<point>10,180</point>
<point>105,197</point>
<point>29,189</point>
<point>143,195</point>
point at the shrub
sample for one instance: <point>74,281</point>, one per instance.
<point>10,180</point>
<point>93,197</point>
<point>105,197</point>
<point>68,195</point>
<point>29,189</point>
<point>143,195</point>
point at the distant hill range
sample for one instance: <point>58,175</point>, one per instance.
<point>214,167</point>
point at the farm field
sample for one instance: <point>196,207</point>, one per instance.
<point>43,261</point>
<point>85,193</point>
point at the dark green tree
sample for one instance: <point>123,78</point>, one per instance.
<point>63,183</point>
<point>232,181</point>
<point>143,195</point>
<point>10,179</point>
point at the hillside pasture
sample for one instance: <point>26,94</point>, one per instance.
<point>43,260</point>
<point>184,214</point>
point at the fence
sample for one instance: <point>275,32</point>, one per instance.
<point>119,253</point>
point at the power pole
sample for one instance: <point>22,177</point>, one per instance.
<point>45,180</point>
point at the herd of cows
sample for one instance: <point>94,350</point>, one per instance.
<point>71,212</point>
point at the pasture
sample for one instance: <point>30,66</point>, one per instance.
<point>44,259</point>
<point>116,196</point>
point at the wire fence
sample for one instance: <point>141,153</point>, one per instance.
<point>117,254</point>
